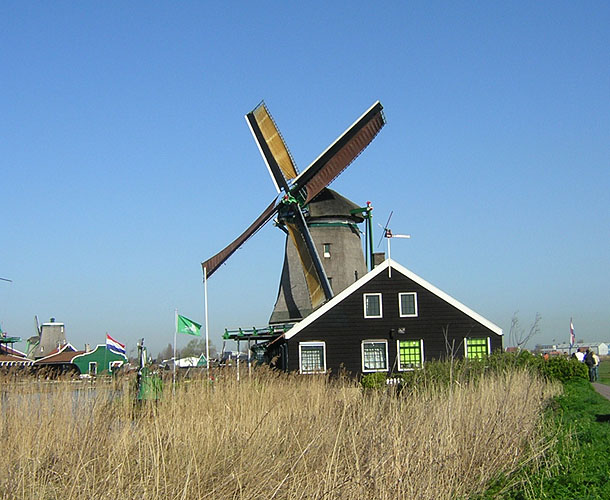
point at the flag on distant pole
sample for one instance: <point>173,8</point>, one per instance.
<point>188,326</point>
<point>114,346</point>
<point>572,338</point>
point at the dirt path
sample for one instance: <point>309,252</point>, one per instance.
<point>604,390</point>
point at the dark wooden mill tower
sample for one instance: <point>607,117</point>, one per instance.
<point>333,223</point>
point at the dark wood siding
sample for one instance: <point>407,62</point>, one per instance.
<point>442,326</point>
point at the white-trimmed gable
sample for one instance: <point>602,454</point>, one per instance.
<point>372,274</point>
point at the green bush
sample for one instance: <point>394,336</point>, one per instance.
<point>563,369</point>
<point>374,380</point>
<point>466,370</point>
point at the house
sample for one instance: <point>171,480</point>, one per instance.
<point>67,359</point>
<point>100,360</point>
<point>59,360</point>
<point>390,320</point>
<point>187,362</point>
<point>11,357</point>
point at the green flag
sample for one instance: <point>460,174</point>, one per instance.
<point>188,326</point>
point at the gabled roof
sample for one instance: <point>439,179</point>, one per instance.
<point>98,347</point>
<point>6,350</point>
<point>376,272</point>
<point>62,355</point>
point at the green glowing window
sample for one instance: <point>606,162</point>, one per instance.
<point>477,348</point>
<point>410,354</point>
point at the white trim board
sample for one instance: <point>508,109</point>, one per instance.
<point>368,277</point>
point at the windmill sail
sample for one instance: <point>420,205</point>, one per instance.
<point>215,262</point>
<point>312,277</point>
<point>272,146</point>
<point>340,154</point>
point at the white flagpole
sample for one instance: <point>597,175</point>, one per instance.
<point>207,339</point>
<point>175,334</point>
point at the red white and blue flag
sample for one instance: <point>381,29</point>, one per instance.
<point>114,346</point>
<point>572,339</point>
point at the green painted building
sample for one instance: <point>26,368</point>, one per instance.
<point>100,361</point>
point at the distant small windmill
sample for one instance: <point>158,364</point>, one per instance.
<point>387,233</point>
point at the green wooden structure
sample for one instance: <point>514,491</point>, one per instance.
<point>100,361</point>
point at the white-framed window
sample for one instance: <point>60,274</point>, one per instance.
<point>374,356</point>
<point>372,305</point>
<point>326,250</point>
<point>477,347</point>
<point>113,366</point>
<point>312,357</point>
<point>407,303</point>
<point>410,354</point>
<point>92,368</point>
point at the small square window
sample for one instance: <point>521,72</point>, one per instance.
<point>326,250</point>
<point>312,357</point>
<point>374,356</point>
<point>372,305</point>
<point>477,348</point>
<point>410,354</point>
<point>408,304</point>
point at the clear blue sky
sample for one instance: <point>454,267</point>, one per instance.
<point>125,159</point>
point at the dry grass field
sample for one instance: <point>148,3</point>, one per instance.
<point>267,436</point>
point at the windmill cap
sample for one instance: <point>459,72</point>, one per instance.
<point>329,203</point>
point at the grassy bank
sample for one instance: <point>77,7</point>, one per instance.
<point>578,464</point>
<point>270,436</point>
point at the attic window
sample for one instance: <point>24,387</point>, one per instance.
<point>372,305</point>
<point>326,250</point>
<point>408,304</point>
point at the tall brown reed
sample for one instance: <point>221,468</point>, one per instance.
<point>267,436</point>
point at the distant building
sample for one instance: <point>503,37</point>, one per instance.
<point>59,361</point>
<point>99,361</point>
<point>52,337</point>
<point>599,348</point>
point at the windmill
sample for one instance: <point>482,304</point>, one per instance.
<point>297,193</point>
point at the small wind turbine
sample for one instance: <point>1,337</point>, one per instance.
<point>387,234</point>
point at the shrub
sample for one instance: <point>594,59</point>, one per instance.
<point>563,369</point>
<point>463,371</point>
<point>374,380</point>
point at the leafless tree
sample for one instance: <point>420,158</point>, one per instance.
<point>517,336</point>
